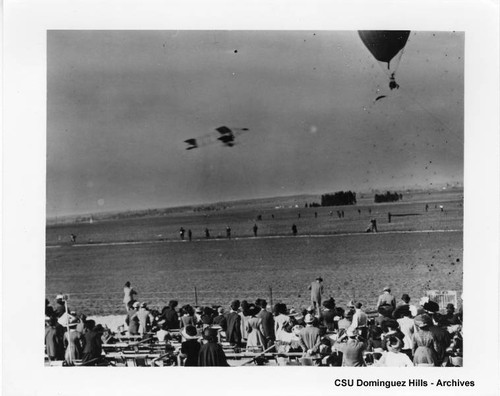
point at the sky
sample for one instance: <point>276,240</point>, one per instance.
<point>121,103</point>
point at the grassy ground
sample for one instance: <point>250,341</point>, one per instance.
<point>353,264</point>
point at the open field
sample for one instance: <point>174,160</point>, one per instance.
<point>411,254</point>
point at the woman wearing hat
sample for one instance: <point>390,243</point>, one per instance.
<point>211,353</point>
<point>190,348</point>
<point>73,343</point>
<point>281,321</point>
<point>255,336</point>
<point>394,357</point>
<point>424,344</point>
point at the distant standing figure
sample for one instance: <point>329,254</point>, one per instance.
<point>207,233</point>
<point>294,229</point>
<point>359,211</point>
<point>316,214</point>
<point>373,226</point>
<point>129,294</point>
<point>369,211</point>
<point>441,207</point>
<point>228,232</point>
<point>255,228</point>
<point>73,238</point>
<point>316,288</point>
<point>342,213</point>
<point>190,235</point>
<point>389,216</point>
<point>298,216</point>
<point>426,207</point>
<point>181,233</point>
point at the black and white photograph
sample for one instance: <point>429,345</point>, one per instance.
<point>296,195</point>
<point>311,198</point>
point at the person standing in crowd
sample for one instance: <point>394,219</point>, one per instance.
<point>267,322</point>
<point>132,321</point>
<point>255,336</point>
<point>188,317</point>
<point>92,343</point>
<point>329,314</point>
<point>145,319</point>
<point>190,347</point>
<point>316,289</point>
<point>128,294</point>
<point>54,339</point>
<point>309,336</point>
<point>360,320</point>
<point>190,235</point>
<point>181,233</point>
<point>393,357</point>
<point>220,319</point>
<point>353,350</point>
<point>73,343</point>
<point>169,314</point>
<point>60,308</point>
<point>233,332</point>
<point>407,327</point>
<point>281,322</point>
<point>228,232</point>
<point>294,229</point>
<point>255,229</point>
<point>441,336</point>
<point>211,352</point>
<point>49,310</point>
<point>424,344</point>
<point>386,298</point>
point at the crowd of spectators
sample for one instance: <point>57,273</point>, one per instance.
<point>397,334</point>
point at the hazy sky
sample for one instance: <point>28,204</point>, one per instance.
<point>121,103</point>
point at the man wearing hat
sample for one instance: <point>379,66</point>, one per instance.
<point>233,319</point>
<point>386,298</point>
<point>170,315</point>
<point>267,322</point>
<point>316,289</point>
<point>352,350</point>
<point>309,336</point>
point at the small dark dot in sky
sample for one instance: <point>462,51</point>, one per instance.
<point>434,34</point>
<point>314,34</point>
<point>235,51</point>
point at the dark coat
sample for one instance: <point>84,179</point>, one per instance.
<point>221,321</point>
<point>233,332</point>
<point>92,348</point>
<point>171,318</point>
<point>267,324</point>
<point>191,348</point>
<point>212,354</point>
<point>54,342</point>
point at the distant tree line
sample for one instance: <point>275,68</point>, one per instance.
<point>338,198</point>
<point>388,197</point>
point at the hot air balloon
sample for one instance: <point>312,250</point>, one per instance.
<point>387,48</point>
